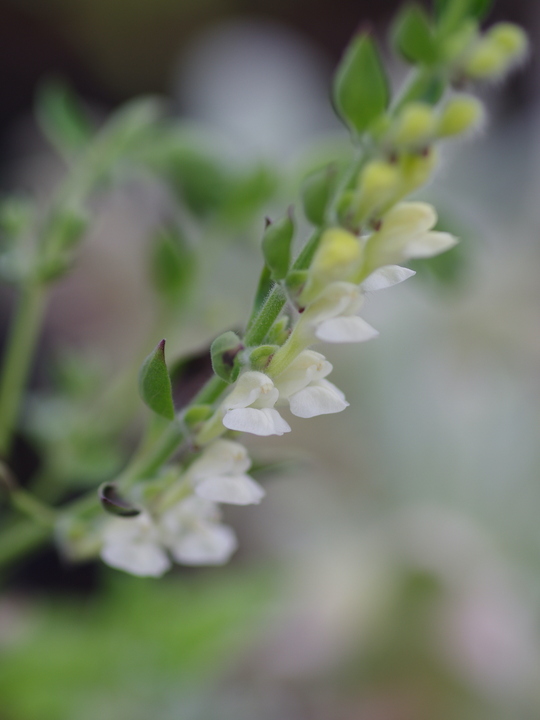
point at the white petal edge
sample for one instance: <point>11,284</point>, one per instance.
<point>209,545</point>
<point>142,559</point>
<point>321,398</point>
<point>429,244</point>
<point>345,330</point>
<point>257,422</point>
<point>232,489</point>
<point>386,277</point>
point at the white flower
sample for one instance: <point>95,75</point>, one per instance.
<point>250,406</point>
<point>406,233</point>
<point>219,474</point>
<point>333,317</point>
<point>134,545</point>
<point>303,385</point>
<point>386,276</point>
<point>195,536</point>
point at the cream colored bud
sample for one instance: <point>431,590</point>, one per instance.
<point>337,258</point>
<point>378,183</point>
<point>414,126</point>
<point>461,114</point>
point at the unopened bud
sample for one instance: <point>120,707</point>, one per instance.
<point>510,39</point>
<point>337,258</point>
<point>415,125</point>
<point>379,181</point>
<point>460,115</point>
<point>416,169</point>
<point>279,332</point>
<point>486,61</point>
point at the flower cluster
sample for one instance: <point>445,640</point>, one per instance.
<point>186,525</point>
<point>365,231</point>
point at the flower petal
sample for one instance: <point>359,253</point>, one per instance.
<point>345,330</point>
<point>429,244</point>
<point>143,559</point>
<point>304,369</point>
<point>209,544</point>
<point>385,277</point>
<point>233,489</point>
<point>320,398</point>
<point>220,458</point>
<point>249,387</point>
<point>258,422</point>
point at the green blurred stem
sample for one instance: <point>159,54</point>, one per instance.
<point>21,344</point>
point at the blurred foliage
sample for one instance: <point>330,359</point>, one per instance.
<point>130,653</point>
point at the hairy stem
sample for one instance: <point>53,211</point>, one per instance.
<point>21,343</point>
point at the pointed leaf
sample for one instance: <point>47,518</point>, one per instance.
<point>361,93</point>
<point>113,503</point>
<point>155,383</point>
<point>276,246</point>
<point>61,118</point>
<point>413,36</point>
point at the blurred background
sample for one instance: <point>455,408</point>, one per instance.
<point>393,570</point>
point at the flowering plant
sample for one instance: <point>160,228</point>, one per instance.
<point>164,505</point>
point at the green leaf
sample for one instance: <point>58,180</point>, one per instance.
<point>361,93</point>
<point>413,37</point>
<point>172,265</point>
<point>317,192</point>
<point>276,246</point>
<point>114,504</point>
<point>61,118</point>
<point>224,352</point>
<point>451,14</point>
<point>155,384</point>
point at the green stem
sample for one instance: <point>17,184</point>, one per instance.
<point>276,300</point>
<point>26,503</point>
<point>21,539</point>
<point>22,339</point>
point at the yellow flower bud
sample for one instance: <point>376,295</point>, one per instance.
<point>486,61</point>
<point>414,126</point>
<point>510,39</point>
<point>416,170</point>
<point>461,114</point>
<point>337,258</point>
<point>378,183</point>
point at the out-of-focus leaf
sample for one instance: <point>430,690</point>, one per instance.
<point>413,36</point>
<point>276,245</point>
<point>155,384</point>
<point>451,14</point>
<point>130,653</point>
<point>172,265</point>
<point>62,119</point>
<point>114,503</point>
<point>361,92</point>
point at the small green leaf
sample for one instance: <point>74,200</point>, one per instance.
<point>451,14</point>
<point>172,265</point>
<point>413,36</point>
<point>61,118</point>
<point>361,93</point>
<point>261,356</point>
<point>113,503</point>
<point>155,383</point>
<point>276,246</point>
<point>317,192</point>
<point>224,352</point>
